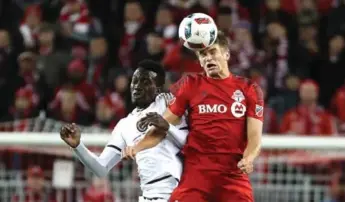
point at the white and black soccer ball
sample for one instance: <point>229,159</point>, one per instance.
<point>198,31</point>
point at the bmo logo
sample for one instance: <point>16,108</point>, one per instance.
<point>217,108</point>
<point>237,109</point>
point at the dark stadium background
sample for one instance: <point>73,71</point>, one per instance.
<point>72,61</point>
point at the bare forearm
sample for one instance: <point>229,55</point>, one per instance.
<point>151,139</point>
<point>253,147</point>
<point>254,133</point>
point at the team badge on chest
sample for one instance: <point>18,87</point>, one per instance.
<point>237,108</point>
<point>141,127</point>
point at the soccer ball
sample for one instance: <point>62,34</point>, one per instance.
<point>197,31</point>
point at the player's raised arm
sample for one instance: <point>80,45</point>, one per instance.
<point>99,165</point>
<point>254,128</point>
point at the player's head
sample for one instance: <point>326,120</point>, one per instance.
<point>147,81</point>
<point>214,59</point>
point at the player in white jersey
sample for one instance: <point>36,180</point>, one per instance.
<point>159,168</point>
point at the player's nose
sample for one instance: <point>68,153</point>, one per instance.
<point>208,58</point>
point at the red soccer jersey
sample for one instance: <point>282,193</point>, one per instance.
<point>217,110</point>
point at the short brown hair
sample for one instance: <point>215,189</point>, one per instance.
<point>222,40</point>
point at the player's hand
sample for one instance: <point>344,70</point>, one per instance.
<point>154,119</point>
<point>129,153</point>
<point>70,133</point>
<point>246,165</point>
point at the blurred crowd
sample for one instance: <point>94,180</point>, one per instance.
<point>72,60</point>
<point>35,190</point>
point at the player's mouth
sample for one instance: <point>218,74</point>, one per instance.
<point>137,93</point>
<point>211,66</point>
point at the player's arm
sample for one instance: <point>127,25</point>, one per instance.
<point>160,127</point>
<point>99,165</point>
<point>255,107</point>
<point>172,115</point>
<point>254,133</point>
<point>254,121</point>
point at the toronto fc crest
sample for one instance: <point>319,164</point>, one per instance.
<point>237,108</point>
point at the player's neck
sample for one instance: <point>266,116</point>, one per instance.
<point>222,75</point>
<point>143,106</point>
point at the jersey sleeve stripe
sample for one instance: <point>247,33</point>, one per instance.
<point>184,128</point>
<point>114,147</point>
<point>160,179</point>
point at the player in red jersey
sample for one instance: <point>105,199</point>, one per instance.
<point>225,120</point>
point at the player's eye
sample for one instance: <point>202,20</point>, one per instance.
<point>146,81</point>
<point>134,81</point>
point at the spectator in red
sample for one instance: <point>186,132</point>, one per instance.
<point>181,60</point>
<point>338,108</point>
<point>76,72</point>
<point>74,18</point>
<point>70,105</point>
<point>100,191</point>
<point>308,118</point>
<point>109,110</point>
<point>30,26</point>
<point>118,89</point>
<point>25,104</point>
<point>30,76</point>
<point>35,187</point>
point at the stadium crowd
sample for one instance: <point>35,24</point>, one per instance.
<point>72,60</point>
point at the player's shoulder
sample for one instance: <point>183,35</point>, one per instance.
<point>120,124</point>
<point>246,83</point>
<point>186,81</point>
<point>190,78</point>
<point>164,98</point>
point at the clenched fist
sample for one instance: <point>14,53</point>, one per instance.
<point>129,153</point>
<point>246,165</point>
<point>154,119</point>
<point>70,133</point>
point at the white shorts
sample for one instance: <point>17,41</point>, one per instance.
<point>142,199</point>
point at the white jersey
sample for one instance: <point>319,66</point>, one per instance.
<point>159,168</point>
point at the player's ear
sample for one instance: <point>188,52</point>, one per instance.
<point>227,55</point>
<point>158,90</point>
